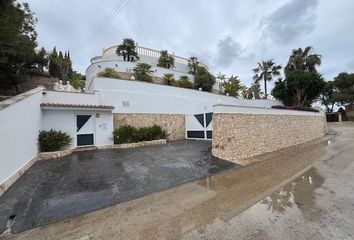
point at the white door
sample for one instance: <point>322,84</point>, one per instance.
<point>85,128</point>
<point>199,126</point>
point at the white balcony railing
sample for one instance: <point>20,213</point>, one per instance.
<point>146,52</point>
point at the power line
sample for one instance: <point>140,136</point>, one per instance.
<point>107,16</point>
<point>99,28</point>
<point>102,25</point>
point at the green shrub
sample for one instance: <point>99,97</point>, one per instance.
<point>130,134</point>
<point>184,82</point>
<point>109,73</point>
<point>142,72</point>
<point>125,134</point>
<point>53,140</point>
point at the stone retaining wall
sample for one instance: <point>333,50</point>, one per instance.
<point>174,124</point>
<point>52,155</point>
<point>237,136</point>
<point>127,76</point>
<point>58,154</point>
<point>30,83</point>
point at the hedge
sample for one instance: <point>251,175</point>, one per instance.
<point>131,134</point>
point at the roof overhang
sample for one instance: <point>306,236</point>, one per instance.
<point>85,107</point>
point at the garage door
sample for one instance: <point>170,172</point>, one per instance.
<point>199,126</point>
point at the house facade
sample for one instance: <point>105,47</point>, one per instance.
<point>109,59</point>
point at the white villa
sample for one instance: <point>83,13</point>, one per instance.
<point>90,117</point>
<point>110,59</point>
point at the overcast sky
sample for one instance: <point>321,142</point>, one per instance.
<point>229,36</point>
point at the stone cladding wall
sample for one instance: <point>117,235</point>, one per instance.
<point>237,136</point>
<point>174,124</point>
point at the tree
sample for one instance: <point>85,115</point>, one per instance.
<point>265,72</point>
<point>17,42</point>
<point>244,91</point>
<point>256,90</point>
<point>233,86</point>
<point>193,63</point>
<point>142,72</point>
<point>282,92</point>
<point>303,60</point>
<point>63,64</point>
<point>326,96</point>
<point>184,82</point>
<point>53,67</point>
<point>75,80</point>
<point>302,84</point>
<point>169,78</point>
<point>221,77</point>
<point>300,88</point>
<point>203,79</point>
<point>60,65</point>
<point>127,49</point>
<point>166,60</point>
<point>41,59</point>
<point>343,88</point>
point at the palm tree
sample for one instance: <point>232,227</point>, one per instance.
<point>166,60</point>
<point>142,72</point>
<point>233,86</point>
<point>256,90</point>
<point>193,63</point>
<point>265,71</point>
<point>303,60</point>
<point>221,78</point>
<point>128,50</point>
<point>169,78</point>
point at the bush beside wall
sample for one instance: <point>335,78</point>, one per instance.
<point>131,134</point>
<point>53,140</point>
<point>109,73</point>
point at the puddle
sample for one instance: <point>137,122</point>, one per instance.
<point>299,193</point>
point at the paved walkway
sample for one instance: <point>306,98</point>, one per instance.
<point>58,189</point>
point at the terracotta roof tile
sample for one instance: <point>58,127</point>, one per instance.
<point>66,105</point>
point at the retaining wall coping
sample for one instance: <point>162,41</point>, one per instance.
<point>225,108</point>
<point>57,154</point>
<point>19,97</point>
<point>133,145</point>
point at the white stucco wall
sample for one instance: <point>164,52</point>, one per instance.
<point>122,66</point>
<point>20,123</point>
<point>140,97</point>
<point>65,120</point>
<point>70,97</point>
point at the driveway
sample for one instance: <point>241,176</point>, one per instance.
<point>58,189</point>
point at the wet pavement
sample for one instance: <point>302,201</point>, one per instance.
<point>303,192</point>
<point>58,189</point>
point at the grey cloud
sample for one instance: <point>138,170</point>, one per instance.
<point>350,65</point>
<point>290,21</point>
<point>227,51</point>
<point>206,29</point>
